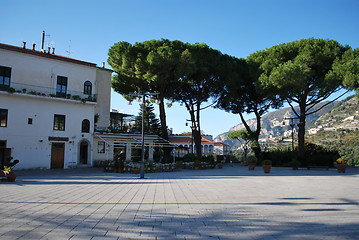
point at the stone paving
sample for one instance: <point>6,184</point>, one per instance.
<point>223,204</point>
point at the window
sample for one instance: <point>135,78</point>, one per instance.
<point>88,88</point>
<point>5,75</point>
<point>61,87</point>
<point>3,117</point>
<point>59,122</point>
<point>29,121</point>
<point>101,147</point>
<point>85,128</point>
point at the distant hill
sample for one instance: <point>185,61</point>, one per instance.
<point>272,124</point>
<point>344,115</point>
<point>338,129</point>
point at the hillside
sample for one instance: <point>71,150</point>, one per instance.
<point>272,124</point>
<point>339,129</point>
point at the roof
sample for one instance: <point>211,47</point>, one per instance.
<point>46,55</point>
<point>186,139</point>
<point>220,144</point>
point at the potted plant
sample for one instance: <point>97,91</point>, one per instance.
<point>251,162</point>
<point>118,165</point>
<point>106,165</point>
<point>179,165</point>
<point>294,164</point>
<point>341,164</point>
<point>267,166</point>
<point>10,175</point>
<point>196,164</point>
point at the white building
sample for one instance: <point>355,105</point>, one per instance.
<point>49,107</point>
<point>221,148</point>
<point>185,144</point>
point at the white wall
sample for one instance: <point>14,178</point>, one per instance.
<point>30,143</point>
<point>41,71</point>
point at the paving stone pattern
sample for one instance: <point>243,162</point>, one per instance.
<point>223,204</point>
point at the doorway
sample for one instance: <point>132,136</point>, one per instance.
<point>84,147</point>
<point>57,155</point>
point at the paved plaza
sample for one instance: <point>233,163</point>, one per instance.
<point>229,203</point>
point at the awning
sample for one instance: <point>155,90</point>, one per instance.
<point>120,140</point>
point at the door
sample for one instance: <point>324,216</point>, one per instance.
<point>57,155</point>
<point>83,152</point>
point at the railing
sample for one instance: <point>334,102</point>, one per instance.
<point>47,92</point>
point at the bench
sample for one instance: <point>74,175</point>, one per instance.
<point>311,167</point>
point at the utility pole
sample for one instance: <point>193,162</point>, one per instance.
<point>143,95</point>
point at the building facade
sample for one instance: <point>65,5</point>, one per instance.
<point>50,106</point>
<point>185,144</point>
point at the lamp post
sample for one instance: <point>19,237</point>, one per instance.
<point>143,95</point>
<point>192,127</point>
<point>291,124</point>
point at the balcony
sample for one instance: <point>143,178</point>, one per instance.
<point>47,92</point>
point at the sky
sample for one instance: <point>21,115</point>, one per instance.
<point>86,29</point>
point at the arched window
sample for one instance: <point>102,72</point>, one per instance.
<point>85,128</point>
<point>88,88</point>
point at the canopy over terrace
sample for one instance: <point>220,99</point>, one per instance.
<point>130,141</point>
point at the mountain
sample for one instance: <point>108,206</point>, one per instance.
<point>344,115</point>
<point>272,124</point>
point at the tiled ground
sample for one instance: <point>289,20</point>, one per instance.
<point>229,203</point>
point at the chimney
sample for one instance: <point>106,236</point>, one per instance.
<point>53,50</point>
<point>42,41</point>
<point>23,45</point>
<point>103,64</point>
<point>33,46</point>
<point>49,49</point>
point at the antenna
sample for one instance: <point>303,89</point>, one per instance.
<point>69,52</point>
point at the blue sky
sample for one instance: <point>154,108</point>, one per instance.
<point>87,29</point>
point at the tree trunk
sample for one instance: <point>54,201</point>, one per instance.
<point>301,130</point>
<point>254,135</point>
<point>164,133</point>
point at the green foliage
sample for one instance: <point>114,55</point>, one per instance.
<point>299,72</point>
<point>151,123</point>
<point>347,69</point>
<point>240,134</point>
<point>179,164</point>
<point>267,162</point>
<point>190,157</point>
<point>345,142</point>
<point>251,159</point>
<point>197,163</point>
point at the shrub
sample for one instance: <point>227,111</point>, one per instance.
<point>267,162</point>
<point>251,159</point>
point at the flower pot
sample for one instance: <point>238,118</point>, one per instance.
<point>267,168</point>
<point>11,177</point>
<point>136,171</point>
<point>341,167</point>
<point>251,166</point>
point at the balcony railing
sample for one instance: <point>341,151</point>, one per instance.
<point>47,92</point>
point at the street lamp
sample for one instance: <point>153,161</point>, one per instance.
<point>291,124</point>
<point>143,95</point>
<point>192,128</point>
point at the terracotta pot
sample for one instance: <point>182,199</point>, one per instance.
<point>11,177</point>
<point>251,166</point>
<point>341,167</point>
<point>267,168</point>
